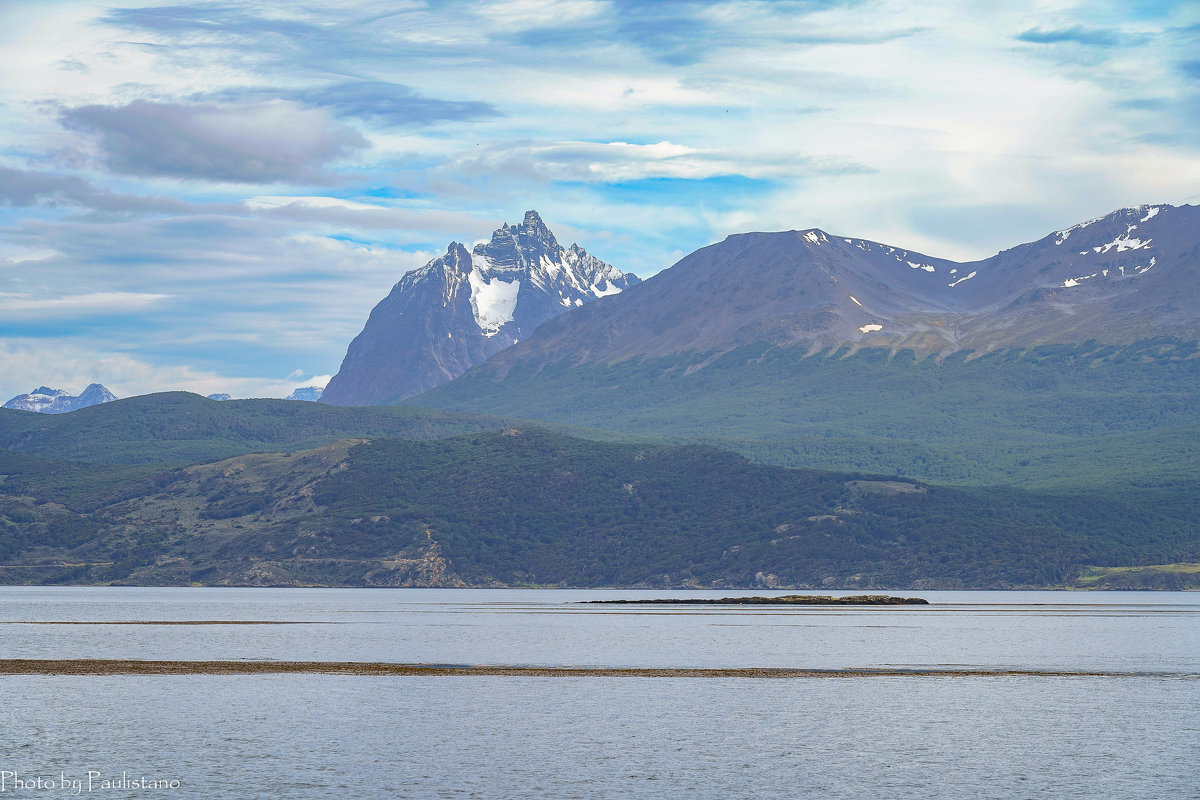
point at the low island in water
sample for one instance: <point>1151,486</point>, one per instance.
<point>783,600</point>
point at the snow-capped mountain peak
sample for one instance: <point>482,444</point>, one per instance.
<point>309,394</point>
<point>465,306</point>
<point>45,400</point>
<point>1129,217</point>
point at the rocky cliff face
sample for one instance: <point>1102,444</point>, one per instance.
<point>462,308</point>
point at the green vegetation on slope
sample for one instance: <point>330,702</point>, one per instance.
<point>1068,416</point>
<point>184,428</point>
<point>532,507</point>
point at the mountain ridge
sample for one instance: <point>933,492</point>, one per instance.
<point>1128,276</point>
<point>464,306</point>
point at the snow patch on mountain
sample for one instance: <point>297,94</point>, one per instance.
<point>609,288</point>
<point>527,254</point>
<point>1123,243</point>
<point>493,302</point>
<point>1136,215</point>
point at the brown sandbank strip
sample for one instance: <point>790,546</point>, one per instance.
<point>166,622</point>
<point>782,600</point>
<point>92,666</point>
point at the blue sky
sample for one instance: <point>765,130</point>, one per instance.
<point>212,196</point>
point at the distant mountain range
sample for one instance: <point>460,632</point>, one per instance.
<point>45,400</point>
<point>1031,419</point>
<point>1128,276</point>
<point>465,306</point>
<point>1073,359</point>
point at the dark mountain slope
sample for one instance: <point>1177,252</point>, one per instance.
<point>1063,415</point>
<point>1126,277</point>
<point>534,508</point>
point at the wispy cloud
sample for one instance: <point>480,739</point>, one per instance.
<point>90,303</point>
<point>620,162</point>
<point>300,39</point>
<point>31,188</point>
<point>682,34</point>
<point>1092,37</point>
<point>381,102</point>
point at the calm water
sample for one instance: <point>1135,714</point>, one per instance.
<point>316,736</point>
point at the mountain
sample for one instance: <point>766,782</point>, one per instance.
<point>528,507</point>
<point>220,397</point>
<point>461,308</point>
<point>1070,359</point>
<point>42,400</point>
<point>45,400</point>
<point>1131,275</point>
<point>309,394</point>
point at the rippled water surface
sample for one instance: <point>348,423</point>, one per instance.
<point>1108,733</point>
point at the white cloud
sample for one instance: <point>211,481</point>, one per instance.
<point>73,364</point>
<point>300,382</point>
<point>521,14</point>
<point>276,201</point>
<point>91,303</point>
<point>616,162</point>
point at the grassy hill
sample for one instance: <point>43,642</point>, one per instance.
<point>185,428</point>
<point>532,507</point>
<point>1056,416</point>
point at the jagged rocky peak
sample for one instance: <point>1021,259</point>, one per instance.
<point>524,242</point>
<point>524,254</point>
<point>529,248</point>
<point>466,305</point>
<point>45,400</point>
